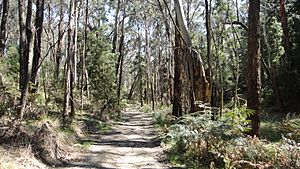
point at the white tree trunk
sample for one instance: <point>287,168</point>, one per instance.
<point>182,23</point>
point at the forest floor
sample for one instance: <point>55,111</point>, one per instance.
<point>132,143</point>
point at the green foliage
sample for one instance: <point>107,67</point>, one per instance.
<point>104,127</point>
<point>199,142</point>
<point>84,144</point>
<point>284,64</point>
<point>292,128</point>
<point>163,118</point>
<point>273,127</point>
<point>8,101</point>
<point>8,82</point>
<point>270,130</point>
<point>196,136</point>
<point>101,66</point>
<point>9,67</point>
<point>13,61</point>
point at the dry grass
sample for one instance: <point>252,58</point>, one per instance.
<point>43,140</point>
<point>21,158</point>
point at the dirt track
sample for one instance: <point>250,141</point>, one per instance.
<point>132,144</point>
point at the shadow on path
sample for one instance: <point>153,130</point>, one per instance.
<point>132,144</point>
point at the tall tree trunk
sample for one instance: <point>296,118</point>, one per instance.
<point>37,43</point>
<point>284,24</point>
<point>169,51</point>
<point>150,79</point>
<point>189,69</point>
<point>50,45</point>
<point>27,58</point>
<point>78,4</point>
<point>170,76</point>
<point>178,75</point>
<point>152,94</point>
<point>115,39</point>
<point>121,55</point>
<point>84,54</point>
<point>165,19</point>
<point>160,75</point>
<point>116,29</point>
<point>133,86</point>
<point>148,66</point>
<point>208,38</point>
<point>3,28</point>
<point>188,19</point>
<point>68,109</point>
<point>218,48</point>
<point>22,41</point>
<point>182,39</point>
<point>237,10</point>
<point>141,72</point>
<point>254,66</point>
<point>59,51</point>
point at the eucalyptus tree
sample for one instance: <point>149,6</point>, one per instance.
<point>116,28</point>
<point>84,73</point>
<point>254,66</point>
<point>39,21</point>
<point>120,62</point>
<point>61,33</point>
<point>26,51</point>
<point>4,25</point>
<point>194,79</point>
<point>69,81</point>
<point>209,41</point>
<point>284,24</point>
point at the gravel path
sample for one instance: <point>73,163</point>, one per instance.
<point>132,144</point>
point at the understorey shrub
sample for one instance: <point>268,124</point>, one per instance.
<point>163,117</point>
<point>196,141</point>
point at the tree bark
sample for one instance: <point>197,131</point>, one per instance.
<point>284,24</point>
<point>178,75</point>
<point>22,40</point>
<point>27,57</point>
<point>121,55</point>
<point>59,51</point>
<point>182,24</point>
<point>37,43</point>
<point>3,28</point>
<point>68,109</point>
<point>189,69</point>
<point>159,76</point>
<point>208,39</point>
<point>84,54</point>
<point>116,28</point>
<point>170,76</point>
<point>141,72</point>
<point>150,78</point>
<point>254,67</point>
<point>133,86</point>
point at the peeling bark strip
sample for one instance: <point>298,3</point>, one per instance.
<point>182,24</point>
<point>201,86</point>
<point>190,81</point>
